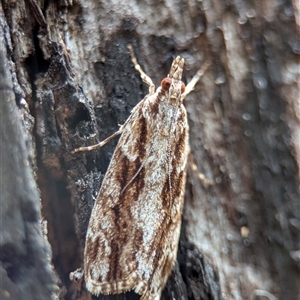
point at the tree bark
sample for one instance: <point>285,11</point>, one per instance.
<point>26,272</point>
<point>72,77</point>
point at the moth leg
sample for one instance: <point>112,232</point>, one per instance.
<point>143,75</point>
<point>200,176</point>
<point>99,145</point>
<point>191,85</point>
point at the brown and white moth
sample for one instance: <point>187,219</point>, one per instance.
<point>132,237</point>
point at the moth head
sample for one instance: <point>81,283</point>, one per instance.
<point>172,85</point>
<point>173,90</point>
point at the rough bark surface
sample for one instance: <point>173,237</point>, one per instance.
<point>26,272</point>
<point>73,83</point>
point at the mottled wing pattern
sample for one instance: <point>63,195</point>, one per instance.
<point>134,228</point>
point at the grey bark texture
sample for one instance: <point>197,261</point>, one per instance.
<point>26,272</point>
<point>67,81</point>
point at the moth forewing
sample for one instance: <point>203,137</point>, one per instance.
<point>133,233</point>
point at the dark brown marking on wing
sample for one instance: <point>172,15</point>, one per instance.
<point>180,185</point>
<point>139,184</point>
<point>126,170</point>
<point>155,105</point>
<point>140,145</point>
<point>166,201</point>
<point>180,148</point>
<point>115,246</point>
<point>177,178</point>
<point>93,248</point>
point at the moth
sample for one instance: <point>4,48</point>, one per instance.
<point>133,232</point>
